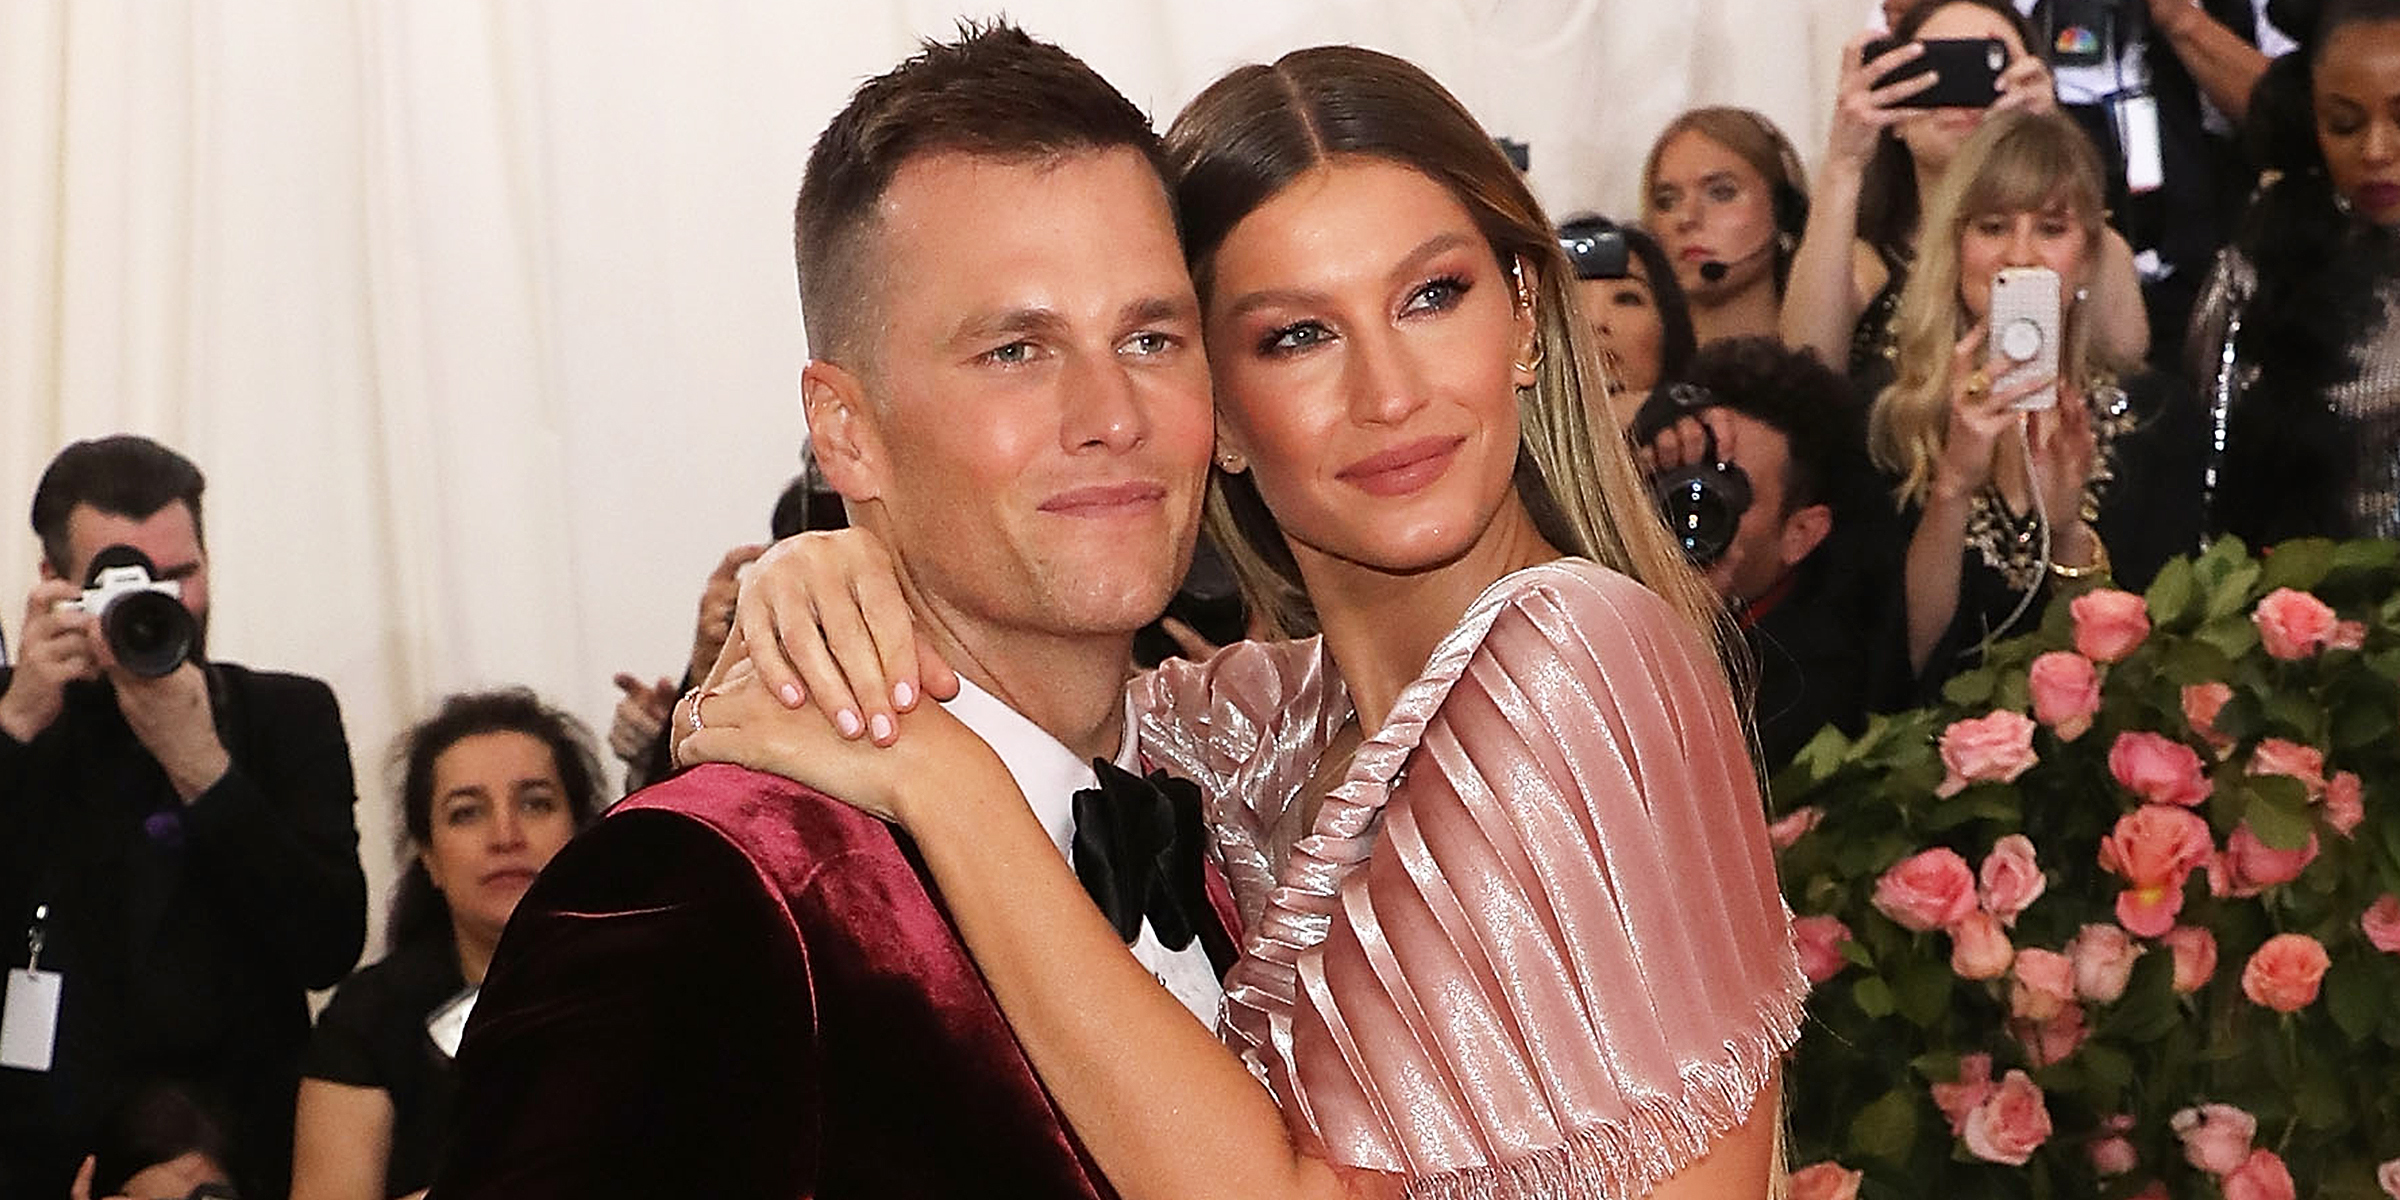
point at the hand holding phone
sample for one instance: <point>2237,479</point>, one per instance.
<point>2025,320</point>
<point>1966,71</point>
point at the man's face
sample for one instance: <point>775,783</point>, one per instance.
<point>1768,542</point>
<point>170,537</point>
<point>1037,390</point>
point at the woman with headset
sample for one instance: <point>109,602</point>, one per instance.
<point>1726,198</point>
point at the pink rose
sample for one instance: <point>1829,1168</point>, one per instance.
<point>2051,1041</point>
<point>2159,769</point>
<point>2216,1137</point>
<point>2249,866</point>
<point>1930,890</point>
<point>1988,749</point>
<point>2010,1124</point>
<point>1973,1086</point>
<point>2262,1176</point>
<point>2388,1177</point>
<point>2283,975</point>
<point>2066,693</point>
<point>2201,703</point>
<point>1978,948</point>
<point>2112,1155</point>
<point>2293,624</point>
<point>2010,880</point>
<point>1794,825</point>
<point>2348,635</point>
<point>2275,756</point>
<point>2345,802</point>
<point>2109,624</point>
<point>1820,940</point>
<point>2154,848</point>
<point>2103,957</point>
<point>2042,984</point>
<point>2195,951</point>
<point>1822,1181</point>
<point>2381,922</point>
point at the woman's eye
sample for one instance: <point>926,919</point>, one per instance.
<point>1298,335</point>
<point>463,813</point>
<point>539,802</point>
<point>1630,298</point>
<point>1662,201</point>
<point>1437,295</point>
<point>1724,193</point>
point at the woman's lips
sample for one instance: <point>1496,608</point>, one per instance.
<point>1402,469</point>
<point>509,876</point>
<point>2381,197</point>
<point>1105,500</point>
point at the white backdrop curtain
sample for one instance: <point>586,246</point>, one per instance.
<point>480,315</point>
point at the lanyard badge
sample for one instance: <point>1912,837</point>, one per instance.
<point>29,1011</point>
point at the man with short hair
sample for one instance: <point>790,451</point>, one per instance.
<point>181,845</point>
<point>737,986</point>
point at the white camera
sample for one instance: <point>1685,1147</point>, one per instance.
<point>142,617</point>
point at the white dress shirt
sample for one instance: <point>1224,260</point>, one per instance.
<point>1050,774</point>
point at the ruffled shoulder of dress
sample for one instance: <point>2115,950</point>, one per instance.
<point>1567,969</point>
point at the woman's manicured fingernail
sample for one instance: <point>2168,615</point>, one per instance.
<point>903,695</point>
<point>882,726</point>
<point>791,695</point>
<point>847,722</point>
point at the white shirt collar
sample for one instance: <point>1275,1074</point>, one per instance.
<point>1045,770</point>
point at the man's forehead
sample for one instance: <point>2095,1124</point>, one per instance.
<point>168,534</point>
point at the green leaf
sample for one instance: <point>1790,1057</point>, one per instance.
<point>2278,812</point>
<point>2353,999</point>
<point>2170,593</point>
<point>1972,689</point>
<point>2366,554</point>
<point>1887,1128</point>
<point>2231,594</point>
<point>1922,990</point>
<point>2233,636</point>
<point>2300,563</point>
<point>1873,997</point>
<point>2106,1065</point>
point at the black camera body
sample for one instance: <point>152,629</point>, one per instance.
<point>141,616</point>
<point>1703,503</point>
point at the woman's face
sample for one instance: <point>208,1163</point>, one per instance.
<point>499,812</point>
<point>2054,237</point>
<point>1624,313</point>
<point>2357,103</point>
<point>1708,204</point>
<point>1363,338</point>
<point>1934,135</point>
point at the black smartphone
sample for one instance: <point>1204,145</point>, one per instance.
<point>1966,71</point>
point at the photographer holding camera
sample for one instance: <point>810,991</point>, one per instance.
<point>178,858</point>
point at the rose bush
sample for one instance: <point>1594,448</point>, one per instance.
<point>2120,916</point>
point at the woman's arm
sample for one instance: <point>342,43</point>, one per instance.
<point>2120,321</point>
<point>1832,273</point>
<point>341,1141</point>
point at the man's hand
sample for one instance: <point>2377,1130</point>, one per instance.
<point>172,717</point>
<point>58,647</point>
<point>716,608</point>
<point>640,715</point>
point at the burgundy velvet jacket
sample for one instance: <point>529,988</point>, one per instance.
<point>734,986</point>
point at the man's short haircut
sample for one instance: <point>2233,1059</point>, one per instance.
<point>1809,403</point>
<point>124,475</point>
<point>994,92</point>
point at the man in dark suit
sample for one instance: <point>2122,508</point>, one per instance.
<point>734,986</point>
<point>176,834</point>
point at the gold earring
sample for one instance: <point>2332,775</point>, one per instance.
<point>1231,463</point>
<point>1540,352</point>
<point>1516,270</point>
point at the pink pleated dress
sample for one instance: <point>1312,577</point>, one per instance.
<point>1532,943</point>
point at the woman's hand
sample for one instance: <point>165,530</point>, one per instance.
<point>1861,110</point>
<point>823,616</point>
<point>2025,84</point>
<point>742,722</point>
<point>2064,453</point>
<point>1978,419</point>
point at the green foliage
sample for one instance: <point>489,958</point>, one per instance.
<point>1896,1019</point>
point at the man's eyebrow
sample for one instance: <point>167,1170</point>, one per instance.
<point>1152,310</point>
<point>1005,322</point>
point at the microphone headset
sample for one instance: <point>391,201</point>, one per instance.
<point>1790,203</point>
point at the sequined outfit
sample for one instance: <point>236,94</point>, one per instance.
<point>2368,406</point>
<point>1531,944</point>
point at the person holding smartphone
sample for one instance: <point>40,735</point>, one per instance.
<point>1896,127</point>
<point>2022,455</point>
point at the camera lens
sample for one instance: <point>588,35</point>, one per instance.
<point>150,633</point>
<point>1703,505</point>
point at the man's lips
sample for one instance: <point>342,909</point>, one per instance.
<point>1402,469</point>
<point>1104,500</point>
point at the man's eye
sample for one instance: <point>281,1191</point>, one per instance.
<point>1149,341</point>
<point>1010,354</point>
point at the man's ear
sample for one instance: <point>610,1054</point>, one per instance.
<point>48,572</point>
<point>1803,531</point>
<point>844,431</point>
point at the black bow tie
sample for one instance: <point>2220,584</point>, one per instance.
<point>1137,850</point>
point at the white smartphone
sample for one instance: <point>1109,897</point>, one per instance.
<point>2025,320</point>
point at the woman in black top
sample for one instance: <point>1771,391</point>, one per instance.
<point>2004,501</point>
<point>492,785</point>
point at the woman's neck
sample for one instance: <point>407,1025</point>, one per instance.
<point>1381,626</point>
<point>1754,311</point>
<point>474,951</point>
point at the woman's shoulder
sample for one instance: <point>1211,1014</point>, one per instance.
<point>407,983</point>
<point>1583,608</point>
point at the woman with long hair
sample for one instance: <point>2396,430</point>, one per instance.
<point>491,785</point>
<point>1511,923</point>
<point>2007,500</point>
<point>1883,161</point>
<point>1627,289</point>
<point>1725,195</point>
<point>2295,338</point>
